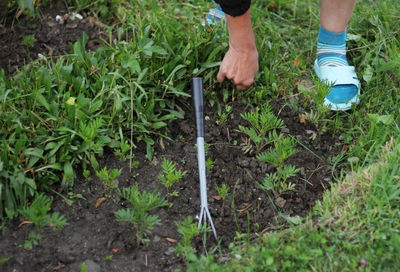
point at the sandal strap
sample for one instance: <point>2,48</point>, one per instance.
<point>339,75</point>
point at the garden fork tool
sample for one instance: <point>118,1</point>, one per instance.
<point>198,105</point>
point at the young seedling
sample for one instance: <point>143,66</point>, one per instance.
<point>188,229</point>
<point>284,147</point>
<point>223,115</point>
<point>37,213</point>
<point>89,132</point>
<point>319,113</point>
<point>138,215</point>
<point>170,175</point>
<point>262,120</point>
<point>109,177</point>
<point>86,174</point>
<point>223,193</point>
<point>209,164</point>
<point>33,240</point>
<point>28,41</point>
<point>209,161</point>
<point>122,149</point>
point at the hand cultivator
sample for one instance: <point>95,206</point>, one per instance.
<point>198,104</point>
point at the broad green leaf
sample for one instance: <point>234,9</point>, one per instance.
<point>68,171</point>
<point>95,106</point>
<point>352,37</point>
<point>384,119</point>
<point>34,151</point>
<point>55,166</point>
<point>30,182</point>
<point>158,50</point>
<point>353,160</point>
<point>94,162</point>
<point>369,72</point>
<point>26,4</point>
<point>292,220</point>
<point>388,66</point>
<point>158,125</point>
<point>132,64</point>
<point>42,101</point>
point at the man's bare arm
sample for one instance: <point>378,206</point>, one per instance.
<point>240,63</point>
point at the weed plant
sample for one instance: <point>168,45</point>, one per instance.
<point>170,176</point>
<point>138,215</point>
<point>109,177</point>
<point>319,113</point>
<point>38,214</point>
<point>262,120</point>
<point>28,41</point>
<point>223,192</point>
<point>283,148</point>
<point>223,114</point>
<point>188,229</point>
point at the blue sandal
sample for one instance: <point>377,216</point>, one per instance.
<point>214,16</point>
<point>346,86</point>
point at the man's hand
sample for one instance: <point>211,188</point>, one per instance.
<point>239,66</point>
<point>240,63</point>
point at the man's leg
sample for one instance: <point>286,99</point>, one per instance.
<point>331,63</point>
<point>335,14</point>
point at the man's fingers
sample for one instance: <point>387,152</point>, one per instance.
<point>241,87</point>
<point>242,84</point>
<point>221,76</point>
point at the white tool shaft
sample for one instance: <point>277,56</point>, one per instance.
<point>202,171</point>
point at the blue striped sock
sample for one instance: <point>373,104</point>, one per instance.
<point>331,48</point>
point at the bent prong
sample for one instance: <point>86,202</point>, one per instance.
<point>205,214</point>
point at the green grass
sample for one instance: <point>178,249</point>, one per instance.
<point>356,227</point>
<point>57,116</point>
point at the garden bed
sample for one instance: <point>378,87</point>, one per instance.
<point>71,104</point>
<point>93,233</point>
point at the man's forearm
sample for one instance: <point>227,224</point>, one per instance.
<point>240,63</point>
<point>241,35</point>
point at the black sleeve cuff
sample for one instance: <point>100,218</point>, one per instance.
<point>234,7</point>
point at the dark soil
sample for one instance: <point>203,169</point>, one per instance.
<point>51,37</point>
<point>93,233</point>
<point>95,237</point>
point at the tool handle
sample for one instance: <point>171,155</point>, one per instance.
<point>198,104</point>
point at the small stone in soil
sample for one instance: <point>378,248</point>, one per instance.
<point>280,202</point>
<point>302,172</point>
<point>244,163</point>
<point>156,239</point>
<point>253,164</point>
<point>285,130</point>
<point>170,251</point>
<point>237,256</point>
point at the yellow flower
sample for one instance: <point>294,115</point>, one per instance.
<point>71,101</point>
